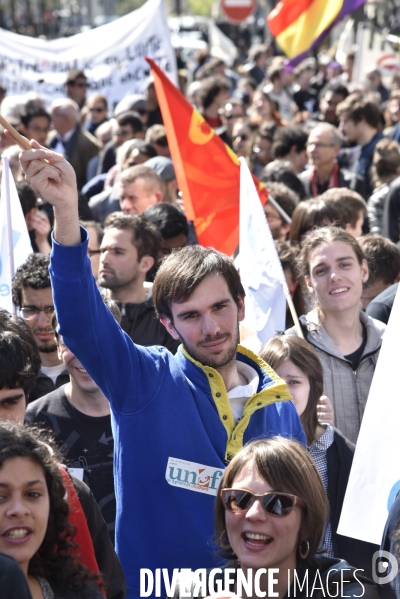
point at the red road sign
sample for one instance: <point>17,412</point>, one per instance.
<point>238,10</point>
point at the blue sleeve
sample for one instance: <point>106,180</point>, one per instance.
<point>296,428</point>
<point>128,375</point>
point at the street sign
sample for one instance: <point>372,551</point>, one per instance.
<point>238,10</point>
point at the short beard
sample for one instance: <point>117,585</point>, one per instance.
<point>216,362</point>
<point>47,349</point>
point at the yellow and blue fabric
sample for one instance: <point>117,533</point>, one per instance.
<point>299,25</point>
<point>164,408</point>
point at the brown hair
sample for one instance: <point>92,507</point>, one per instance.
<point>145,236</point>
<point>357,109</point>
<point>386,159</point>
<point>99,98</point>
<point>349,202</point>
<point>383,258</point>
<point>182,271</point>
<point>325,235</point>
<point>288,468</point>
<point>313,213</point>
<point>290,347</point>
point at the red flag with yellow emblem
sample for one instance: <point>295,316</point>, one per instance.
<point>207,170</point>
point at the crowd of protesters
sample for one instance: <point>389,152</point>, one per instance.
<point>124,351</point>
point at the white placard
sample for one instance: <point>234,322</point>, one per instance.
<point>375,475</point>
<point>112,57</point>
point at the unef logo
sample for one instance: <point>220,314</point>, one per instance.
<point>193,476</point>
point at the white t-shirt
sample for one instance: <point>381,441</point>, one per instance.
<point>238,396</point>
<point>53,371</point>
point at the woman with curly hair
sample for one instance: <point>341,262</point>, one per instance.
<point>34,526</point>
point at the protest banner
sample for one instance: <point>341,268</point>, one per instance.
<point>207,170</point>
<point>112,56</point>
<point>15,244</point>
<point>260,268</point>
<point>375,474</point>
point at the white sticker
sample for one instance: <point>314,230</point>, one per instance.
<point>193,476</point>
<point>77,472</point>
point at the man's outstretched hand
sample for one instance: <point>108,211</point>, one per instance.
<point>50,174</point>
<point>55,181</point>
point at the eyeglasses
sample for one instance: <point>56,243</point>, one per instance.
<point>319,145</point>
<point>97,109</point>
<point>275,504</point>
<point>31,312</point>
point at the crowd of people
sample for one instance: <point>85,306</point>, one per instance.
<point>123,381</point>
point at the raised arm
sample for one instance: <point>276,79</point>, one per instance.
<point>54,179</point>
<point>85,323</point>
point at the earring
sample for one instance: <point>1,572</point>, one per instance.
<point>304,552</point>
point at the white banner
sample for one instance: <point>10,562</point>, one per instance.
<point>112,57</point>
<point>260,268</point>
<point>375,474</point>
<point>11,219</point>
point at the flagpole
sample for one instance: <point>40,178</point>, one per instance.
<point>281,211</point>
<point>6,174</point>
<point>294,316</point>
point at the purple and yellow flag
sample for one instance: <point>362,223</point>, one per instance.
<point>299,25</point>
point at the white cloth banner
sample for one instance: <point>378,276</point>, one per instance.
<point>260,268</point>
<point>112,57</point>
<point>20,236</point>
<point>375,474</point>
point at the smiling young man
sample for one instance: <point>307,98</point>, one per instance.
<point>177,420</point>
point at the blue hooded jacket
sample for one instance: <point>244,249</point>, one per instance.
<point>174,430</point>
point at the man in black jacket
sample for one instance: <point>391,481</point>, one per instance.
<point>129,249</point>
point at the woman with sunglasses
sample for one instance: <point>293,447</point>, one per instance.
<point>270,513</point>
<point>34,527</point>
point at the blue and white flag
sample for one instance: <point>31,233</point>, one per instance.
<point>261,271</point>
<point>375,473</point>
<point>13,234</point>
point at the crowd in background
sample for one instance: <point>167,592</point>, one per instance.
<point>327,149</point>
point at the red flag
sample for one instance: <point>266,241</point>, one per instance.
<point>207,170</point>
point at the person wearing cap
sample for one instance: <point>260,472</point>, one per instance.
<point>133,102</point>
<point>77,86</point>
<point>165,170</point>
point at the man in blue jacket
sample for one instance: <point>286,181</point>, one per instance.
<point>177,420</point>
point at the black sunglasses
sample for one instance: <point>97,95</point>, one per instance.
<point>275,504</point>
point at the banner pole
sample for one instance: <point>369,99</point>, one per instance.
<point>6,174</point>
<point>294,316</point>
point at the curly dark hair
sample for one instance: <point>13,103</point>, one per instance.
<point>54,560</point>
<point>34,273</point>
<point>19,357</point>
